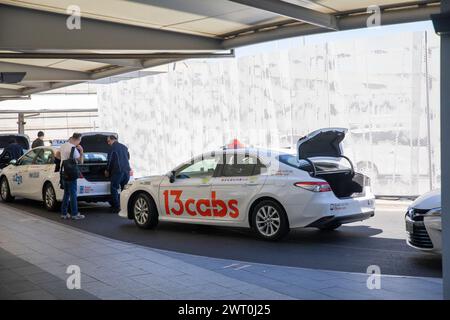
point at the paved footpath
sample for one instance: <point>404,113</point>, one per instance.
<point>35,253</point>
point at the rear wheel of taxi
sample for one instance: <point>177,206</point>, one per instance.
<point>144,211</point>
<point>49,197</point>
<point>269,220</point>
<point>5,191</point>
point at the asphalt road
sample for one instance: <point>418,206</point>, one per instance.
<point>377,241</point>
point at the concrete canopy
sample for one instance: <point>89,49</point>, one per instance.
<point>117,36</point>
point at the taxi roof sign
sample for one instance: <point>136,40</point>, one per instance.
<point>235,144</point>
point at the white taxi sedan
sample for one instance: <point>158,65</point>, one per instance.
<point>266,190</point>
<point>36,174</point>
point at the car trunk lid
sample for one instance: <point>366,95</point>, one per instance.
<point>95,142</point>
<point>321,143</point>
<point>23,140</point>
<point>323,150</point>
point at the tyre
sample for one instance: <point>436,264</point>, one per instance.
<point>5,191</point>
<point>49,197</point>
<point>330,227</point>
<point>144,211</point>
<point>269,220</point>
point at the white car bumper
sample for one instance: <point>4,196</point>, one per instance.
<point>323,209</point>
<point>425,235</point>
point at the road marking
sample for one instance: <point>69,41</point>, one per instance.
<point>243,267</point>
<point>237,266</point>
<point>231,265</point>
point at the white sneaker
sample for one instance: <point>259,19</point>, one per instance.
<point>67,216</point>
<point>78,217</point>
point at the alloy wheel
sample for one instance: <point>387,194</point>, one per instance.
<point>268,221</point>
<point>4,189</point>
<point>141,210</point>
<point>50,197</point>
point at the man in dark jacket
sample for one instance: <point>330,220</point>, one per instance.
<point>118,170</point>
<point>13,151</point>
<point>39,142</point>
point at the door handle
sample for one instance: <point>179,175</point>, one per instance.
<point>203,185</point>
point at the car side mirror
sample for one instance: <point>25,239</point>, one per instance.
<point>13,162</point>
<point>173,176</point>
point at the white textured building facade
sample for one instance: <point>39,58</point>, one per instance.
<point>385,90</point>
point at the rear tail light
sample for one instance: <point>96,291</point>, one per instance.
<point>131,173</point>
<point>314,186</point>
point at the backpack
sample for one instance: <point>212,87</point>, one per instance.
<point>70,170</point>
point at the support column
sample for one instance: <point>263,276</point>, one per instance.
<point>21,123</point>
<point>445,153</point>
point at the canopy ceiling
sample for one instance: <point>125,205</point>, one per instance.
<point>119,36</point>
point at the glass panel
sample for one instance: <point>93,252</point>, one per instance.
<point>44,157</point>
<point>201,168</point>
<point>27,158</point>
<point>239,166</point>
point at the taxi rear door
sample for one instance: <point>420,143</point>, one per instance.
<point>238,180</point>
<point>38,171</point>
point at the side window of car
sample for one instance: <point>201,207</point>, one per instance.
<point>241,165</point>
<point>27,159</point>
<point>44,157</point>
<point>199,169</point>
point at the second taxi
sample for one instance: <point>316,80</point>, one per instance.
<point>36,175</point>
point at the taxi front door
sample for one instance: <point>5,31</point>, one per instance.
<point>188,196</point>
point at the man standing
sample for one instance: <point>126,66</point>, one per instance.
<point>118,169</point>
<point>39,142</point>
<point>13,151</point>
<point>70,150</point>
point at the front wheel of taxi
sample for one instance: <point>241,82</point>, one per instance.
<point>269,220</point>
<point>5,191</point>
<point>145,213</point>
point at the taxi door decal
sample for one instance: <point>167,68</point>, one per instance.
<point>212,207</point>
<point>216,203</point>
<point>177,200</point>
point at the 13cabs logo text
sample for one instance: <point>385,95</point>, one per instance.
<point>212,207</point>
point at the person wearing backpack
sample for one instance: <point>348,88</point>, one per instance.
<point>70,154</point>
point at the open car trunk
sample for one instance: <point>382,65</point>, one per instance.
<point>93,171</point>
<point>322,151</point>
<point>96,151</point>
<point>21,139</point>
<point>345,184</point>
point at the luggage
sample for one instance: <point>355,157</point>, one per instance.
<point>70,170</point>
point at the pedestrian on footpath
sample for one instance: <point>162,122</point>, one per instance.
<point>70,154</point>
<point>118,170</point>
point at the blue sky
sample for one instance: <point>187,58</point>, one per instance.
<point>333,36</point>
